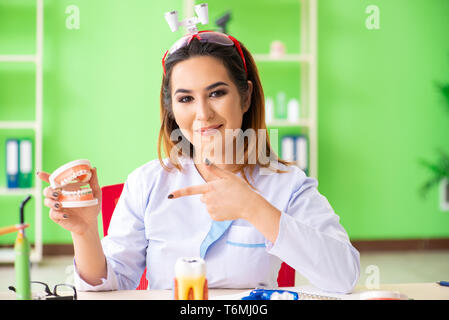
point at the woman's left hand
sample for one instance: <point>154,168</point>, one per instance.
<point>227,198</point>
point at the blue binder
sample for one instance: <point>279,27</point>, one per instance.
<point>12,163</point>
<point>302,152</point>
<point>288,148</point>
<point>25,163</point>
<point>296,148</point>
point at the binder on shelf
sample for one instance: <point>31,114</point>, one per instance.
<point>296,149</point>
<point>12,163</point>
<point>302,153</point>
<point>25,163</point>
<point>288,148</point>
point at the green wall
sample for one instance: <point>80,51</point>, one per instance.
<point>379,111</point>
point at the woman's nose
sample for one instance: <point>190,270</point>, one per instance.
<point>204,110</point>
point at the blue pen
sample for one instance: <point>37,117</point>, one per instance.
<point>444,283</point>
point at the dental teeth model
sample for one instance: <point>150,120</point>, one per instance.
<point>80,198</point>
<point>190,279</point>
<point>75,172</point>
<point>72,172</point>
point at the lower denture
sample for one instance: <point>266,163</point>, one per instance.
<point>80,195</point>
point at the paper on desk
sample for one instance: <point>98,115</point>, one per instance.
<point>306,292</point>
<point>235,296</point>
<point>309,292</point>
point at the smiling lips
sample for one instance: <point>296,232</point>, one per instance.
<point>209,130</point>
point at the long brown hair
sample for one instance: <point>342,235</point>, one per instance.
<point>254,118</point>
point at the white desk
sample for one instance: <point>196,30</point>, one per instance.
<point>416,291</point>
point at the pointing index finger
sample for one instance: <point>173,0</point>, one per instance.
<point>44,176</point>
<point>188,191</point>
<point>217,171</point>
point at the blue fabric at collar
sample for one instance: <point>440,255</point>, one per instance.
<point>217,229</point>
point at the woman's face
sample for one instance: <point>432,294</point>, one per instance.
<point>203,96</point>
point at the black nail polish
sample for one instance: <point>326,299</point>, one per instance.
<point>57,205</point>
<point>170,196</point>
<point>65,216</point>
<point>207,162</point>
<point>55,194</point>
<point>37,173</point>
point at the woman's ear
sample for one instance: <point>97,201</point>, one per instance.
<point>248,95</point>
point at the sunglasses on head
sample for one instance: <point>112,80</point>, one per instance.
<point>205,36</point>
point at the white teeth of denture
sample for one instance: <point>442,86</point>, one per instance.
<point>80,173</point>
<point>190,268</point>
<point>75,175</point>
<point>56,175</point>
<point>77,192</point>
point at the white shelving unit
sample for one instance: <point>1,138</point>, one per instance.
<point>308,81</point>
<point>7,255</point>
<point>18,58</point>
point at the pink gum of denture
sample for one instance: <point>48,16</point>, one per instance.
<point>78,171</point>
<point>72,172</point>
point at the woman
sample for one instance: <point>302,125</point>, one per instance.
<point>221,193</point>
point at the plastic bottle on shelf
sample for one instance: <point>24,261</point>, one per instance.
<point>293,110</point>
<point>281,108</point>
<point>277,49</point>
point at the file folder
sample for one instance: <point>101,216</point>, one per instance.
<point>302,154</point>
<point>288,148</point>
<point>25,163</point>
<point>12,163</point>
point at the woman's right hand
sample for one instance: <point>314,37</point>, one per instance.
<point>77,220</point>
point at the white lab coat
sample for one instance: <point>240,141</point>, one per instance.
<point>149,230</point>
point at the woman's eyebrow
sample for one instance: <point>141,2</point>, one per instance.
<point>210,87</point>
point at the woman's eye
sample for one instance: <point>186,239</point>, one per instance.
<point>185,99</point>
<point>218,93</point>
<point>214,94</point>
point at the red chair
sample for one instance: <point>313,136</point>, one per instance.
<point>110,196</point>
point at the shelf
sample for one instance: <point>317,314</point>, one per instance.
<point>18,58</point>
<point>7,255</point>
<point>16,191</point>
<point>17,124</point>
<point>287,123</point>
<point>36,126</point>
<point>286,58</point>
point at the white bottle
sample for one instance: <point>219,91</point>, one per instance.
<point>281,108</point>
<point>269,110</point>
<point>293,110</point>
